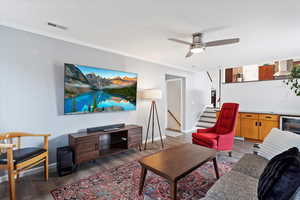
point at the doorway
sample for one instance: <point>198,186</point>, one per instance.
<point>175,102</point>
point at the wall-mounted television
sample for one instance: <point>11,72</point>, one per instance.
<point>91,90</point>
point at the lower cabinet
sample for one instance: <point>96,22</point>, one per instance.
<point>255,126</point>
<point>249,126</point>
<point>266,123</point>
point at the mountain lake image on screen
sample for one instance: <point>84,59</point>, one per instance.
<point>89,90</point>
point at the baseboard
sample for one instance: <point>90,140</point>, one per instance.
<point>29,172</point>
<point>189,130</point>
<point>239,138</point>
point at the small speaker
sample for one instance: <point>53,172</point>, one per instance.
<point>65,161</point>
<point>105,128</point>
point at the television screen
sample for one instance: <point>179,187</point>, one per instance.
<point>90,90</point>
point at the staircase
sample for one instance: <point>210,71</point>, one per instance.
<point>207,119</point>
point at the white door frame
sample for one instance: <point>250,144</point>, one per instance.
<point>181,103</point>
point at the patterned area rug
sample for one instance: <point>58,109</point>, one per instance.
<point>123,183</point>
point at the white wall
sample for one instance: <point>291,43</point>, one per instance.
<point>268,96</point>
<point>31,85</point>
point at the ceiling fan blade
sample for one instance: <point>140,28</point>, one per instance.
<point>180,41</point>
<point>222,42</point>
<point>189,54</point>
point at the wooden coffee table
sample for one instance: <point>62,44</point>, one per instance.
<point>175,163</point>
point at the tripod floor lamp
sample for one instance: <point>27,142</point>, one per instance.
<point>152,94</point>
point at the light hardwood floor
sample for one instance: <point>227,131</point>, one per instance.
<point>34,187</point>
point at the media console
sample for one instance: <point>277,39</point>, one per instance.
<point>88,146</point>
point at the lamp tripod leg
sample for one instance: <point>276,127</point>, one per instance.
<point>161,140</point>
<point>148,126</point>
<point>153,106</point>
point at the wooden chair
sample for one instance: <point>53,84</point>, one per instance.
<point>21,159</point>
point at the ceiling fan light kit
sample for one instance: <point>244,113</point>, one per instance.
<point>197,49</point>
<point>198,46</point>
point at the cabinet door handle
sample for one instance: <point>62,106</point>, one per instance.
<point>268,117</point>
<point>248,115</point>
<point>256,123</point>
<point>259,123</point>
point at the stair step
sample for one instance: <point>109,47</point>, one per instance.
<point>208,119</point>
<point>201,126</point>
<point>210,108</point>
<point>211,115</point>
<point>210,122</point>
<point>209,111</point>
<point>205,124</point>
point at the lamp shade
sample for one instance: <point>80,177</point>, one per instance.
<point>152,94</point>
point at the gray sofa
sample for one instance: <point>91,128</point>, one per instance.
<point>241,182</point>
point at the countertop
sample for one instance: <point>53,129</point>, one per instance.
<point>296,114</point>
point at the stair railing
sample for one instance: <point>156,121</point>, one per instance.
<point>173,116</point>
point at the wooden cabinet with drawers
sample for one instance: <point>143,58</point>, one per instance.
<point>255,126</point>
<point>266,123</point>
<point>90,146</point>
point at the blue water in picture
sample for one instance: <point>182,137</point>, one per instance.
<point>105,102</point>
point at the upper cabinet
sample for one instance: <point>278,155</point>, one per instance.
<point>277,70</point>
<point>266,72</point>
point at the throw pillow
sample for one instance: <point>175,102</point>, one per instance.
<point>281,177</point>
<point>278,141</point>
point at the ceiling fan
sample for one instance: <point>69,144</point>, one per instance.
<point>198,46</point>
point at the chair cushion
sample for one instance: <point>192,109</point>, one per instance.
<point>208,142</point>
<point>204,135</point>
<point>21,155</point>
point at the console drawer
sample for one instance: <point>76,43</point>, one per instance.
<point>83,157</point>
<point>86,147</point>
<point>249,116</point>
<point>269,117</point>
<point>90,139</point>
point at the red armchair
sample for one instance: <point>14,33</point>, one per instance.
<point>221,136</point>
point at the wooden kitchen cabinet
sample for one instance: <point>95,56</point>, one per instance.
<point>257,126</point>
<point>266,123</point>
<point>249,126</point>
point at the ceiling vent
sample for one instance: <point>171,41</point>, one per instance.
<point>57,26</point>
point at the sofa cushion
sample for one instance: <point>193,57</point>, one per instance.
<point>21,155</point>
<point>251,165</point>
<point>277,142</point>
<point>234,186</point>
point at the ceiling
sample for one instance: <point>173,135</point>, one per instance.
<point>269,29</point>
